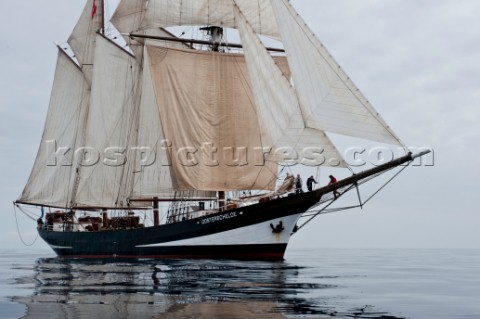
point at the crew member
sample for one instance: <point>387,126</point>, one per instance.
<point>333,180</point>
<point>298,184</point>
<point>310,182</point>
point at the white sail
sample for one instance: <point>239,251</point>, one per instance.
<point>152,176</point>
<point>82,39</point>
<point>205,102</point>
<point>129,15</point>
<point>279,110</point>
<point>330,100</point>
<point>134,16</point>
<point>105,176</point>
<point>53,175</point>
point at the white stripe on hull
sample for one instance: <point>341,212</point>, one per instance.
<point>260,233</point>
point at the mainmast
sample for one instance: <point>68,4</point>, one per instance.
<point>103,17</point>
<point>215,34</point>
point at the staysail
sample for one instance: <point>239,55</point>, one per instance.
<point>330,100</point>
<point>279,109</point>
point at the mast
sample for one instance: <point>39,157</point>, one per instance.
<point>156,219</point>
<point>215,34</point>
<point>221,199</point>
<point>103,17</point>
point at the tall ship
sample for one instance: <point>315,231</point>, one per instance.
<point>178,145</point>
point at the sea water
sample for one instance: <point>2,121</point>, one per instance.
<point>308,284</point>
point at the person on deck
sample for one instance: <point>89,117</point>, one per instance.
<point>40,223</point>
<point>298,184</point>
<point>333,180</point>
<point>310,182</point>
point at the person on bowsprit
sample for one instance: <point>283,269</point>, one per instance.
<point>333,180</point>
<point>310,182</point>
<point>298,184</point>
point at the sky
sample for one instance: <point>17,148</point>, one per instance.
<point>415,60</point>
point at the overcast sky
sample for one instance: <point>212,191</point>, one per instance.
<point>417,61</point>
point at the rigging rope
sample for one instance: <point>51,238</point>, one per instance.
<point>317,177</point>
<point>386,184</point>
<point>329,211</point>
<point>324,210</point>
<point>26,213</point>
<point>18,228</point>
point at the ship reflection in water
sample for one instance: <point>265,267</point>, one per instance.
<point>181,289</point>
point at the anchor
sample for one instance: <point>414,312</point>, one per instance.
<point>277,229</point>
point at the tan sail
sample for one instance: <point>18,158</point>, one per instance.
<point>152,172</point>
<point>207,113</point>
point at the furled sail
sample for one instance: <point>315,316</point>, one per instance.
<point>207,114</point>
<point>82,39</point>
<point>135,15</point>
<point>278,107</point>
<point>330,100</point>
<point>106,173</point>
<point>53,175</point>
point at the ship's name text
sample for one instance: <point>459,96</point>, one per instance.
<point>219,218</point>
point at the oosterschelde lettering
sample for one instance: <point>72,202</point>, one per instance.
<point>219,218</point>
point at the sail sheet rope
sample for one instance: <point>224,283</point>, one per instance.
<point>18,228</point>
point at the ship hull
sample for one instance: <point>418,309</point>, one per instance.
<point>251,232</point>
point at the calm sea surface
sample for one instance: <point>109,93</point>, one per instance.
<point>308,284</point>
